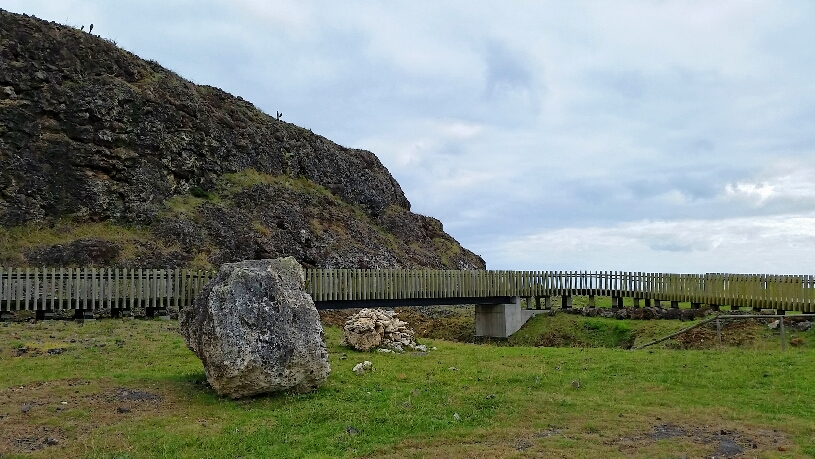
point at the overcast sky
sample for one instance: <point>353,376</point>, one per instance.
<point>606,135</point>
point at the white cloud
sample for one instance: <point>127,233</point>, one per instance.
<point>782,244</point>
<point>757,193</point>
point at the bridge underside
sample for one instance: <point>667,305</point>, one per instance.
<point>495,316</point>
<point>408,302</point>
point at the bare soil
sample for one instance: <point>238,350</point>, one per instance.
<point>60,414</point>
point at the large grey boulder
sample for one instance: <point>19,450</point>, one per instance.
<point>256,330</point>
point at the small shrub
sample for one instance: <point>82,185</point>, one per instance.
<point>199,193</point>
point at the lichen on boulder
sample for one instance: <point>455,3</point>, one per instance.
<point>256,330</point>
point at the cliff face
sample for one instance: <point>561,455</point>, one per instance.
<point>108,159</point>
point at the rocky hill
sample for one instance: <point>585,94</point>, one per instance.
<point>110,160</point>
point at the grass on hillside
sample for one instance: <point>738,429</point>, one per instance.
<point>130,389</point>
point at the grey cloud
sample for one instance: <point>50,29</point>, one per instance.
<point>505,70</point>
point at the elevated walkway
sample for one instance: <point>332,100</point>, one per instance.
<point>497,293</point>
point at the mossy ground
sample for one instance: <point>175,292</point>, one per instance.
<point>131,389</point>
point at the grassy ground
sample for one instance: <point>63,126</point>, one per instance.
<point>130,389</point>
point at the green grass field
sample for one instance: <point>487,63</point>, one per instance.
<point>130,389</point>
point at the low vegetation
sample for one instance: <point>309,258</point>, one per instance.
<point>130,389</point>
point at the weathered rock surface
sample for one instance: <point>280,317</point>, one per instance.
<point>372,328</point>
<point>256,330</point>
<point>91,133</point>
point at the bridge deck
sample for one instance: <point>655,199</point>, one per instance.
<point>93,288</point>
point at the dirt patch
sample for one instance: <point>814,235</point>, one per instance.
<point>134,395</point>
<point>715,442</point>
<point>742,332</point>
<point>29,413</point>
<point>40,437</point>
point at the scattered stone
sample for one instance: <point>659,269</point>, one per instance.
<point>421,348</point>
<point>456,417</point>
<point>773,325</point>
<point>351,430</point>
<point>372,328</point>
<point>132,395</point>
<point>56,351</point>
<point>21,351</point>
<point>803,326</point>
<point>343,356</point>
<point>665,431</point>
<point>51,441</point>
<point>25,408</point>
<point>453,369</point>
<point>385,351</point>
<point>256,330</point>
<point>122,410</point>
<point>728,448</point>
<point>522,444</point>
<point>797,341</point>
<point>363,367</point>
<point>576,384</point>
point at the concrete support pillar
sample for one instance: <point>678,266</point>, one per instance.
<point>120,312</point>
<point>714,307</point>
<point>647,302</point>
<point>566,302</point>
<point>617,302</point>
<point>636,302</point>
<point>781,312</point>
<point>675,304</point>
<point>44,314</point>
<point>83,315</point>
<point>657,303</point>
<point>163,314</point>
<point>501,320</point>
<point>537,302</point>
<point>695,305</point>
<point>591,301</point>
<point>734,308</point>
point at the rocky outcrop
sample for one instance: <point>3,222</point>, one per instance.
<point>375,328</point>
<point>256,330</point>
<point>90,133</point>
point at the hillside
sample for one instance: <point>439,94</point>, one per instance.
<point>108,159</point>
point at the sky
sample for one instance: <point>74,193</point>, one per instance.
<point>656,136</point>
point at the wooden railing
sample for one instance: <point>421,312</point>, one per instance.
<point>92,288</point>
<point>739,290</point>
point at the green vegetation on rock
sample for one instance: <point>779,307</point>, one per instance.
<point>195,177</point>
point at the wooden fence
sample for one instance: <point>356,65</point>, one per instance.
<point>95,288</point>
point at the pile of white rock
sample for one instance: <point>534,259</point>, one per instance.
<point>375,328</point>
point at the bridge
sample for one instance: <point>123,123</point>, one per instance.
<point>496,294</point>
